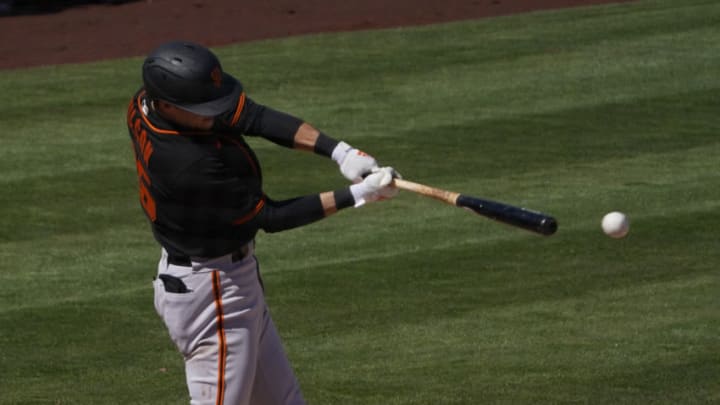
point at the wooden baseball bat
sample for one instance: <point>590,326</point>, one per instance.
<point>508,214</point>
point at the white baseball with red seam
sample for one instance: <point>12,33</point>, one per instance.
<point>615,224</point>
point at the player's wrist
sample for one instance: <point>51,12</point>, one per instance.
<point>344,198</point>
<point>325,145</point>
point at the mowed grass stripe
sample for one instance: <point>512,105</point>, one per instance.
<point>447,251</point>
<point>489,354</point>
<point>653,201</point>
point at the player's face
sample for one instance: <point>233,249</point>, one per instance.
<point>184,118</point>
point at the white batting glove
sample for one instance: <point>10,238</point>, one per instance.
<point>353,163</point>
<point>374,187</point>
<point>389,192</point>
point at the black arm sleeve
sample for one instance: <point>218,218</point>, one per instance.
<point>275,126</point>
<point>259,120</point>
<point>325,145</point>
<point>282,215</point>
<point>278,216</point>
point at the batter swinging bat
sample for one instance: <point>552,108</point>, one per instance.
<point>505,213</point>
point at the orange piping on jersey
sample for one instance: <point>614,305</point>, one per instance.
<point>162,131</point>
<point>238,110</point>
<point>147,121</point>
<point>252,214</point>
<point>222,341</point>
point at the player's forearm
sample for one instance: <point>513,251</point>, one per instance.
<point>332,201</point>
<point>310,139</point>
<point>286,130</point>
<point>278,216</point>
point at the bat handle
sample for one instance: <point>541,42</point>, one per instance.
<point>446,196</point>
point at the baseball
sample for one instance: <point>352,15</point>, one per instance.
<point>615,224</point>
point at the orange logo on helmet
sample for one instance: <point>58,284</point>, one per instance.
<point>216,76</point>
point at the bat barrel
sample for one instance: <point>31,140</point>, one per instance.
<point>520,217</point>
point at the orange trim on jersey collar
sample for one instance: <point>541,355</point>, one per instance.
<point>235,119</point>
<point>252,214</point>
<point>238,110</point>
<point>147,121</point>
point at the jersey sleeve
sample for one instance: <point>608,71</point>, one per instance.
<point>277,216</point>
<point>253,119</point>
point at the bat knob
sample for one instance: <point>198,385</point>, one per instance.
<point>548,226</point>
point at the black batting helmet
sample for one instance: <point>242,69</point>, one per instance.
<point>189,76</point>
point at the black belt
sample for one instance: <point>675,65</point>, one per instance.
<point>186,261</point>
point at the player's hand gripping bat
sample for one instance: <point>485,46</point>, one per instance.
<point>505,213</point>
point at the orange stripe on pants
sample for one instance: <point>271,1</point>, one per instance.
<point>222,342</point>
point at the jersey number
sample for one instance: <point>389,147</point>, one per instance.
<point>146,199</point>
<point>142,147</point>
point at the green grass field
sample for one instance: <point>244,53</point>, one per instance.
<point>576,113</point>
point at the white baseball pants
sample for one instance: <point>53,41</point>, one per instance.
<point>222,327</point>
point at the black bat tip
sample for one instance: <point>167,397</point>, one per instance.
<point>548,226</point>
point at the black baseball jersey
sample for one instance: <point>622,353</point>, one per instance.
<point>202,190</point>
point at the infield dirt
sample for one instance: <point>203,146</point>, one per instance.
<point>84,33</point>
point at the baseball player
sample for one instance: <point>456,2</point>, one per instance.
<point>201,188</point>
